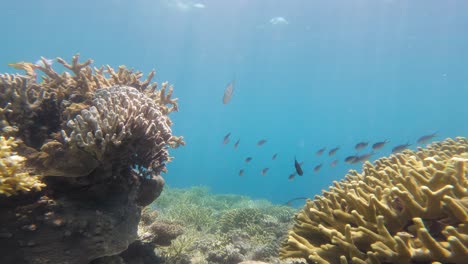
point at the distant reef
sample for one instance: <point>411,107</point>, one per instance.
<point>81,153</point>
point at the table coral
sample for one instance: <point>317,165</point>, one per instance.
<point>408,208</point>
<point>13,178</point>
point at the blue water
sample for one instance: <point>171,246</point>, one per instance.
<point>338,73</point>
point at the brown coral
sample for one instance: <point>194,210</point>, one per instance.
<point>408,208</point>
<point>82,118</point>
<point>104,136</point>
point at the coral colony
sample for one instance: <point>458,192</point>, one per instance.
<point>81,153</point>
<point>408,208</point>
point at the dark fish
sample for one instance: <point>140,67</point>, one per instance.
<point>400,148</point>
<point>318,167</point>
<point>333,163</point>
<point>379,145</point>
<point>291,176</point>
<point>362,158</point>
<point>264,171</point>
<point>228,92</point>
<point>290,202</point>
<point>241,173</point>
<point>226,138</point>
<point>237,143</point>
<point>426,138</point>
<point>298,167</point>
<point>261,142</point>
<point>361,145</point>
<point>248,159</point>
<point>351,159</point>
<point>320,151</point>
<point>333,151</point>
<point>274,156</point>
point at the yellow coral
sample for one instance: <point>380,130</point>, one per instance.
<point>13,179</point>
<point>411,207</point>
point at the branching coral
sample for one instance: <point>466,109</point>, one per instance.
<point>13,178</point>
<point>82,118</point>
<point>103,134</point>
<point>410,207</point>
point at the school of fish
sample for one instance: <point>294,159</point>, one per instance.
<point>351,159</point>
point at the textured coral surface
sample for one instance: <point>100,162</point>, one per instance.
<point>99,139</point>
<point>408,208</point>
<point>12,179</point>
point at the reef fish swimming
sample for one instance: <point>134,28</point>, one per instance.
<point>318,167</point>
<point>400,147</point>
<point>298,167</point>
<point>361,145</point>
<point>334,163</point>
<point>424,139</point>
<point>264,171</point>
<point>226,138</point>
<point>320,151</point>
<point>261,142</point>
<point>379,145</point>
<point>228,92</point>
<point>248,159</point>
<point>333,151</point>
<point>236,144</point>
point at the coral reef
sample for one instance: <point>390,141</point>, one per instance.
<point>99,139</point>
<point>408,208</point>
<point>217,228</point>
<point>13,178</point>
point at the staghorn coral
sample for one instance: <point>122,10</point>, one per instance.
<point>408,208</point>
<point>13,178</point>
<point>69,94</point>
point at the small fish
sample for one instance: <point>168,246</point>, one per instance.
<point>318,167</point>
<point>274,156</point>
<point>290,202</point>
<point>298,167</point>
<point>320,151</point>
<point>351,159</point>
<point>261,142</point>
<point>426,138</point>
<point>334,163</point>
<point>241,172</point>
<point>333,151</point>
<point>361,145</point>
<point>248,159</point>
<point>291,176</point>
<point>400,147</point>
<point>228,92</point>
<point>379,145</point>
<point>236,144</point>
<point>226,138</point>
<point>362,158</point>
<point>264,171</point>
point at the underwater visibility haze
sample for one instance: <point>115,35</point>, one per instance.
<point>276,100</point>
